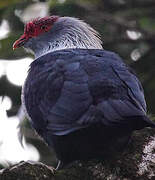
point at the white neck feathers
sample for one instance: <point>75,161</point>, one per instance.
<point>67,33</point>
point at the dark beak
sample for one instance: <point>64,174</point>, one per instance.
<point>20,42</point>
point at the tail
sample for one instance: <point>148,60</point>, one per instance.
<point>141,122</point>
<point>137,122</point>
<point>148,122</point>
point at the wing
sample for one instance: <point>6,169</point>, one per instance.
<point>134,86</point>
<point>73,89</point>
<point>56,95</point>
<point>117,94</point>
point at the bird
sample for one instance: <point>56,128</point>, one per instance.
<point>83,100</point>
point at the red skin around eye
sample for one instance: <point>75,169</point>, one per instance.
<point>35,28</point>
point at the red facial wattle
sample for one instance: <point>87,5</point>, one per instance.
<point>35,28</point>
<point>30,32</point>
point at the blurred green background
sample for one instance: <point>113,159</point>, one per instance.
<point>127,27</point>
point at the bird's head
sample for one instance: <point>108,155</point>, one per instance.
<point>52,33</point>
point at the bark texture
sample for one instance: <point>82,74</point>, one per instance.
<point>137,162</point>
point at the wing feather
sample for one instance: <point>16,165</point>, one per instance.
<point>72,89</point>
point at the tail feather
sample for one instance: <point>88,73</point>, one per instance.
<point>131,123</point>
<point>141,122</point>
<point>149,123</point>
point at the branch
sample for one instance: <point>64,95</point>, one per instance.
<point>135,163</point>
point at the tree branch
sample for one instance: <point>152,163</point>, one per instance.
<point>135,163</point>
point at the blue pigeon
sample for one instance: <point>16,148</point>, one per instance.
<point>84,101</point>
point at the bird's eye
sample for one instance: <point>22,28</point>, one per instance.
<point>43,27</point>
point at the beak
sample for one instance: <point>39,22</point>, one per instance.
<point>20,42</point>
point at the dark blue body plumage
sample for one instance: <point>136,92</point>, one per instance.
<point>84,103</point>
